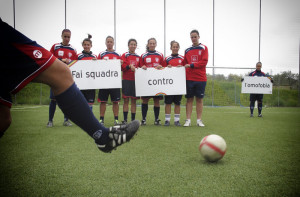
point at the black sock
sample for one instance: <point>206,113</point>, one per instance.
<point>144,111</point>
<point>156,112</point>
<point>132,116</point>
<point>116,117</point>
<point>252,106</point>
<point>102,118</point>
<point>74,105</point>
<point>125,114</point>
<point>259,106</point>
<point>52,108</point>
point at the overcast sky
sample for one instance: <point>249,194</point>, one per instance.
<point>236,32</point>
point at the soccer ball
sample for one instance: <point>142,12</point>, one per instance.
<point>212,148</point>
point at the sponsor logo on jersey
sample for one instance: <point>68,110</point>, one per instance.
<point>37,54</point>
<point>106,58</point>
<point>148,60</point>
<point>133,62</point>
<point>60,53</point>
<point>194,58</point>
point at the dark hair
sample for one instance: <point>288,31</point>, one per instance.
<point>65,30</point>
<point>173,42</point>
<point>132,39</point>
<point>147,48</point>
<point>195,31</point>
<point>258,63</point>
<point>110,37</point>
<point>88,39</point>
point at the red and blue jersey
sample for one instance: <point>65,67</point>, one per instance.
<point>86,56</point>
<point>109,55</point>
<point>197,57</point>
<point>64,51</point>
<point>174,60</point>
<point>257,73</point>
<point>152,59</point>
<point>130,59</point>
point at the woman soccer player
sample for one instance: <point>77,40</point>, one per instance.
<point>88,55</point>
<point>114,93</point>
<point>155,59</point>
<point>174,60</point>
<point>65,53</point>
<point>130,62</point>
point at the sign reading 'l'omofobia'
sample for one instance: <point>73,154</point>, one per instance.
<point>257,85</point>
<point>96,74</point>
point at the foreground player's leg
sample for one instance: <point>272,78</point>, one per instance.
<point>73,104</point>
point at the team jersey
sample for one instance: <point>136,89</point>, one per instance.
<point>197,57</point>
<point>109,55</point>
<point>257,73</point>
<point>174,60</point>
<point>129,58</point>
<point>152,59</point>
<point>86,56</point>
<point>62,52</point>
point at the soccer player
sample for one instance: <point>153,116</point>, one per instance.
<point>257,97</point>
<point>87,54</point>
<point>130,62</point>
<point>31,62</point>
<point>65,53</point>
<point>114,93</point>
<point>174,60</point>
<point>196,58</point>
<point>155,59</point>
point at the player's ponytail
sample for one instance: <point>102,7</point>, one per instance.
<point>88,39</point>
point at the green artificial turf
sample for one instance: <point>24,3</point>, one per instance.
<point>262,158</point>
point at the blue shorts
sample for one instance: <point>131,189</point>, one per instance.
<point>254,97</point>
<point>195,88</point>
<point>176,99</point>
<point>21,61</point>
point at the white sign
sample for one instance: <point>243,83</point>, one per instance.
<point>257,85</point>
<point>153,82</point>
<point>96,74</point>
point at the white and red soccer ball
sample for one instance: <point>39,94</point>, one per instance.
<point>212,147</point>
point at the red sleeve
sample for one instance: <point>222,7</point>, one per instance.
<point>74,55</point>
<point>99,57</point>
<point>162,61</point>
<point>52,49</point>
<point>164,64</point>
<point>204,59</point>
<point>142,61</point>
<point>125,62</point>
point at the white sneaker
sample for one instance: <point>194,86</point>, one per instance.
<point>187,123</point>
<point>200,123</point>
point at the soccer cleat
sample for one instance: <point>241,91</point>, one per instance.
<point>50,124</point>
<point>101,122</point>
<point>143,123</point>
<point>119,135</point>
<point>167,123</point>
<point>177,123</point>
<point>187,123</point>
<point>116,122</point>
<point>157,122</point>
<point>251,115</point>
<point>67,123</point>
<point>260,115</point>
<point>200,123</point>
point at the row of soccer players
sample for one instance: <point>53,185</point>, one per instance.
<point>194,60</point>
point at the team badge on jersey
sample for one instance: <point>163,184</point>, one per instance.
<point>194,58</point>
<point>179,61</point>
<point>157,59</point>
<point>37,54</point>
<point>70,54</point>
<point>200,52</point>
<point>137,59</point>
<point>60,53</point>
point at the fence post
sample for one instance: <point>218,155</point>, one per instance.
<point>278,92</point>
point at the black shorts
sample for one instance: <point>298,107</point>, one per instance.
<point>128,89</point>
<point>254,97</point>
<point>89,95</point>
<point>149,97</point>
<point>114,95</point>
<point>22,60</point>
<point>176,99</point>
<point>195,88</point>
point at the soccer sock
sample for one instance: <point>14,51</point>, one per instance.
<point>252,106</point>
<point>259,106</point>
<point>132,116</point>
<point>74,105</point>
<point>91,107</point>
<point>144,111</point>
<point>125,114</point>
<point>177,117</point>
<point>52,108</point>
<point>102,118</point>
<point>156,112</point>
<point>168,117</point>
<point>116,117</point>
<point>66,118</point>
